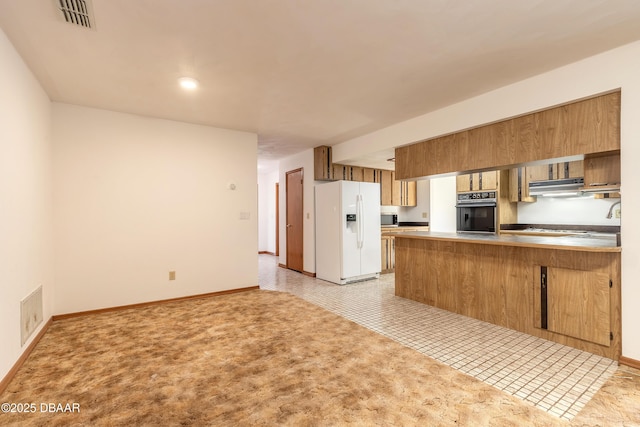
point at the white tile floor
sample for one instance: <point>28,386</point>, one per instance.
<point>555,378</point>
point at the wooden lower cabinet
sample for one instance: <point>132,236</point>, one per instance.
<point>501,284</point>
<point>575,303</point>
<point>388,261</point>
<point>388,249</point>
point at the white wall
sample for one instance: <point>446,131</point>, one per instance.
<point>302,160</point>
<point>26,252</point>
<point>443,199</point>
<point>137,197</point>
<point>267,211</point>
<point>618,68</point>
<point>574,210</point>
<point>414,214</point>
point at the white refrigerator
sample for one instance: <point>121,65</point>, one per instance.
<point>347,231</point>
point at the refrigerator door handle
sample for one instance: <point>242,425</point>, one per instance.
<point>360,223</point>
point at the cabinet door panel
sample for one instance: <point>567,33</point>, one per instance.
<point>356,173</point>
<point>540,172</point>
<point>564,170</point>
<point>339,172</point>
<point>370,175</point>
<point>489,180</point>
<point>519,186</point>
<point>602,170</point>
<point>396,191</point>
<point>410,189</point>
<point>323,170</point>
<point>386,184</point>
<point>578,304</point>
<point>384,242</point>
<point>463,183</point>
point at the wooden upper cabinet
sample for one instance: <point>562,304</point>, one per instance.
<point>564,170</point>
<point>340,172</point>
<point>553,171</point>
<point>463,183</point>
<point>386,188</point>
<point>478,181</point>
<point>348,173</point>
<point>540,172</point>
<point>602,171</point>
<point>371,175</point>
<point>396,193</point>
<point>573,169</point>
<point>519,184</point>
<point>356,173</point>
<point>488,180</point>
<point>409,193</point>
<point>392,192</point>
<point>323,166</point>
<point>579,128</point>
<point>520,177</point>
<point>403,193</point>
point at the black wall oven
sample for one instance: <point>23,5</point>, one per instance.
<point>476,212</point>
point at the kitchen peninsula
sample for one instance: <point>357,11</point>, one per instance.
<point>565,289</point>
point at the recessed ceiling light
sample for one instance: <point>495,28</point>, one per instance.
<point>188,83</point>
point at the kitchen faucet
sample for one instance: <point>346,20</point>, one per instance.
<point>610,214</point>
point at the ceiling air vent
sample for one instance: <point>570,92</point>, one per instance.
<point>76,12</point>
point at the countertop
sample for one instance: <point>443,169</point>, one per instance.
<point>585,242</point>
<point>394,230</point>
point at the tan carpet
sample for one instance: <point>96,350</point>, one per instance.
<point>254,358</point>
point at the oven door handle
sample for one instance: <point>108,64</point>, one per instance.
<point>476,205</point>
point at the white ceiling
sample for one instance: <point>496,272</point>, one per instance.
<point>303,73</point>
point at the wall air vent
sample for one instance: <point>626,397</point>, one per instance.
<point>30,314</point>
<point>77,12</point>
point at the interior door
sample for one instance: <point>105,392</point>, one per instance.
<point>294,217</point>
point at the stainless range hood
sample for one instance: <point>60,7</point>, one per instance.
<point>557,187</point>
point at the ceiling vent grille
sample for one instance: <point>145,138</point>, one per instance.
<point>76,12</point>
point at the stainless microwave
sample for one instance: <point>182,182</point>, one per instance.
<point>388,219</point>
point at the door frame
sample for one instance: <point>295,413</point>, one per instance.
<point>277,219</point>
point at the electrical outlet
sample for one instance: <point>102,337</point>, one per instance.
<point>618,213</point>
<point>425,215</point>
<point>172,275</point>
